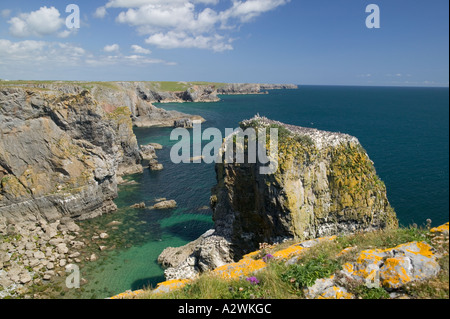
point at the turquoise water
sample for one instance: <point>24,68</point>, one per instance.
<point>404,130</point>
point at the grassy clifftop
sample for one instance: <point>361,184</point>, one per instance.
<point>318,269</point>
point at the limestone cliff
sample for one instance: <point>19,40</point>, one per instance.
<point>60,153</point>
<point>137,96</point>
<point>252,88</point>
<point>64,143</point>
<point>325,185</point>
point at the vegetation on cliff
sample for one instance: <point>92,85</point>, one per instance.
<point>292,270</point>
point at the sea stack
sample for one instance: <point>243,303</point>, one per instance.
<point>325,184</point>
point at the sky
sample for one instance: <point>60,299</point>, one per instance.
<point>306,42</point>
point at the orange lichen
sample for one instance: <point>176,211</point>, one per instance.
<point>348,267</point>
<point>441,229</point>
<point>128,294</point>
<point>291,251</point>
<point>394,273</point>
<point>336,293</point>
<point>171,285</point>
<point>422,249</point>
<point>252,255</point>
<point>240,269</point>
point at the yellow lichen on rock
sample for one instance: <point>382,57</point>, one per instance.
<point>240,269</point>
<point>443,229</point>
<point>336,293</point>
<point>128,294</point>
<point>395,272</point>
<point>421,248</point>
<point>289,252</point>
<point>394,267</point>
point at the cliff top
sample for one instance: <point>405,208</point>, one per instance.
<point>320,138</point>
<point>163,86</point>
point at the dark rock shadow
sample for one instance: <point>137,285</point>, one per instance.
<point>147,283</point>
<point>189,230</point>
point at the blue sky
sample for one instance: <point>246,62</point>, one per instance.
<point>324,42</point>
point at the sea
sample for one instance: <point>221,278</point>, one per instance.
<point>405,131</point>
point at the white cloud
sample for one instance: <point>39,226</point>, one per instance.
<point>43,22</point>
<point>250,9</point>
<point>49,54</point>
<point>130,60</point>
<point>140,50</point>
<point>172,40</point>
<point>111,48</point>
<point>44,57</point>
<point>189,23</point>
<point>100,12</point>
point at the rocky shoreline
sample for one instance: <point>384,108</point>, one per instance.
<point>33,253</point>
<point>65,148</point>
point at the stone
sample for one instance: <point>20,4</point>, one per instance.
<point>62,263</point>
<point>47,277</point>
<point>30,246</point>
<point>55,241</point>
<point>139,205</point>
<point>62,248</point>
<point>319,287</point>
<point>4,257</point>
<point>156,146</point>
<point>167,204</point>
<point>75,255</point>
<point>104,236</point>
<point>69,225</point>
<point>39,255</point>
<point>156,167</point>
<point>336,292</point>
<point>114,223</point>
<point>393,268</point>
<point>183,123</point>
<point>93,257</point>
<point>25,278</point>
<point>148,152</point>
<point>34,262</point>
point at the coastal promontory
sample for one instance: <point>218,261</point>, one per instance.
<point>325,185</point>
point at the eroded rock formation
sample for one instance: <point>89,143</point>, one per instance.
<point>325,185</point>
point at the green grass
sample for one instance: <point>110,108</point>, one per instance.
<point>305,274</point>
<point>166,86</point>
<point>281,281</point>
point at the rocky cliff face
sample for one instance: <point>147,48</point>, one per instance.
<point>325,185</point>
<point>137,96</point>
<point>240,88</point>
<point>278,87</point>
<point>248,88</point>
<point>60,153</point>
<point>64,143</point>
